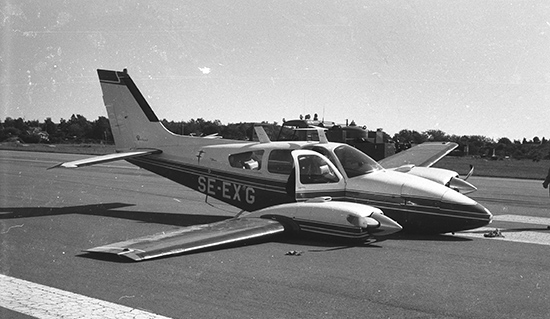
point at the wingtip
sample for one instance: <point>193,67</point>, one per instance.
<point>127,254</point>
<point>55,166</point>
<point>64,164</point>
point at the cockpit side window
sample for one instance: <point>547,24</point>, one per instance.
<point>355,162</point>
<point>280,162</point>
<point>315,170</point>
<point>247,160</point>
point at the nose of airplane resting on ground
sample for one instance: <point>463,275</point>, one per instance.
<point>466,208</point>
<point>483,211</point>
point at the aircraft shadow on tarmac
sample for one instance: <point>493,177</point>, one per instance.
<point>110,210</point>
<point>318,244</point>
<point>427,237</point>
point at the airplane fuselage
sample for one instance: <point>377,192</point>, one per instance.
<point>223,172</point>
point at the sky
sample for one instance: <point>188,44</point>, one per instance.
<point>470,67</point>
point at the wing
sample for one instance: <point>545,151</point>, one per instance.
<point>425,154</point>
<point>192,238</point>
<point>106,158</point>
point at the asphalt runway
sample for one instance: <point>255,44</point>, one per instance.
<point>47,217</point>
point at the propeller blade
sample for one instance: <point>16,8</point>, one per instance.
<point>470,172</point>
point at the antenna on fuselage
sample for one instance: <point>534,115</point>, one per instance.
<point>322,136</point>
<point>320,132</point>
<point>262,135</point>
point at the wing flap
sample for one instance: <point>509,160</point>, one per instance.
<point>106,158</point>
<point>192,238</point>
<point>425,155</point>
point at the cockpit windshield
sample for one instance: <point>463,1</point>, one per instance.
<point>355,162</point>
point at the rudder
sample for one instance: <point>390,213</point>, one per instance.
<point>133,122</point>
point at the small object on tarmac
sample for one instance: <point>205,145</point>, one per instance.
<point>293,253</point>
<point>494,233</point>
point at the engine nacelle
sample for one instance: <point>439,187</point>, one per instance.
<point>443,176</point>
<point>334,218</point>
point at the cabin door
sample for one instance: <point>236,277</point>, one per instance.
<point>316,176</point>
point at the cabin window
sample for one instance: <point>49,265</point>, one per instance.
<point>280,162</point>
<point>315,170</point>
<point>248,160</point>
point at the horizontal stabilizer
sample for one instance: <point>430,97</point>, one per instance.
<point>423,155</point>
<point>106,158</point>
<point>192,238</point>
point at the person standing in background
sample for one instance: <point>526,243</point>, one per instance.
<point>547,180</point>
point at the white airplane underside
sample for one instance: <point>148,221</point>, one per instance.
<point>322,188</point>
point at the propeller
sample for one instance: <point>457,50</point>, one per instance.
<point>461,185</point>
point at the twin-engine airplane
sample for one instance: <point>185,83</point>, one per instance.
<point>298,187</point>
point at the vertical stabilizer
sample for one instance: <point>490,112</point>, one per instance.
<point>133,122</point>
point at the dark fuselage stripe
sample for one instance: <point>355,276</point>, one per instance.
<point>376,200</point>
<point>201,171</point>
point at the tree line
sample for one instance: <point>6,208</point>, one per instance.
<point>78,129</point>
<point>478,145</point>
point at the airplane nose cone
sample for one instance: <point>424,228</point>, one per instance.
<point>461,185</point>
<point>387,226</point>
<point>483,211</point>
<point>470,214</point>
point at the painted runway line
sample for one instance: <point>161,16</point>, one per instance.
<point>523,219</point>
<point>529,237</point>
<point>539,237</point>
<point>46,302</point>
